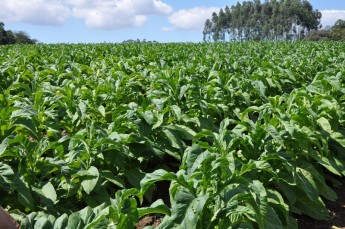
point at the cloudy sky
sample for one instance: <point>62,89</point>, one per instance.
<point>88,21</point>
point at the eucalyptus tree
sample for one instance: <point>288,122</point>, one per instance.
<point>215,26</point>
<point>270,20</point>
<point>207,30</point>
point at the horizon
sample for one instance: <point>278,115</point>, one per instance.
<point>109,21</point>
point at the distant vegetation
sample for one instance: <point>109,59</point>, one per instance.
<point>271,20</point>
<point>335,33</point>
<point>10,37</point>
<point>139,41</point>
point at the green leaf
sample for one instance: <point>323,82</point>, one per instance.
<point>183,131</point>
<point>89,183</point>
<point>101,110</point>
<point>4,144</point>
<point>172,139</point>
<point>276,201</point>
<point>272,219</point>
<point>177,111</point>
<point>332,164</point>
<point>336,136</point>
<point>61,222</point>
<point>306,182</point>
<point>149,117</point>
<point>43,223</point>
<point>186,211</point>
<point>49,192</point>
<point>24,194</point>
<point>75,221</point>
<point>261,205</point>
<point>6,175</point>
<point>134,176</point>
<point>157,175</point>
<point>25,110</point>
<point>28,124</point>
<point>324,124</point>
<point>112,178</point>
<point>315,209</point>
<point>99,222</point>
<point>158,207</point>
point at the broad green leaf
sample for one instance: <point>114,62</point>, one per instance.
<point>272,220</point>
<point>4,145</point>
<point>174,141</point>
<point>99,222</point>
<point>25,110</point>
<point>306,182</point>
<point>134,176</point>
<point>157,175</point>
<point>315,209</point>
<point>338,137</point>
<point>6,175</point>
<point>61,222</point>
<point>183,131</point>
<point>112,178</point>
<point>24,194</point>
<point>101,110</point>
<point>49,192</point>
<point>324,124</point>
<point>28,124</point>
<point>158,207</point>
<point>89,182</point>
<point>186,212</point>
<point>43,223</point>
<point>177,111</point>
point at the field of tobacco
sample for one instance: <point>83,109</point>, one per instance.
<point>221,135</point>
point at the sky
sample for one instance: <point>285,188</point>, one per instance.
<point>97,21</point>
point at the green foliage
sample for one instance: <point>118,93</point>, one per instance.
<point>240,135</point>
<point>336,33</point>
<point>10,37</point>
<point>320,35</point>
<point>270,20</point>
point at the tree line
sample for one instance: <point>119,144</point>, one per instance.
<point>10,37</point>
<point>335,33</point>
<point>270,20</point>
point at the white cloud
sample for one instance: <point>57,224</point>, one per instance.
<point>192,19</point>
<point>100,14</point>
<point>329,17</point>
<point>113,14</point>
<point>44,12</point>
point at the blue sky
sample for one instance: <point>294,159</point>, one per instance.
<point>90,21</point>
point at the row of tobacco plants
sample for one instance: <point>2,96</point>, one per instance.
<point>223,135</point>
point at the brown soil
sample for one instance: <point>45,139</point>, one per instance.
<point>337,212</point>
<point>149,221</point>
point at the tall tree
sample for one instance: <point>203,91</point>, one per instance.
<point>338,30</point>
<point>215,27</point>
<point>222,25</point>
<point>9,37</point>
<point>207,30</point>
<point>3,35</point>
<point>271,20</point>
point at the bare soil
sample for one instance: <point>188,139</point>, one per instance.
<point>150,220</point>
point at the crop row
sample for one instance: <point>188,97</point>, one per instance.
<point>206,135</point>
